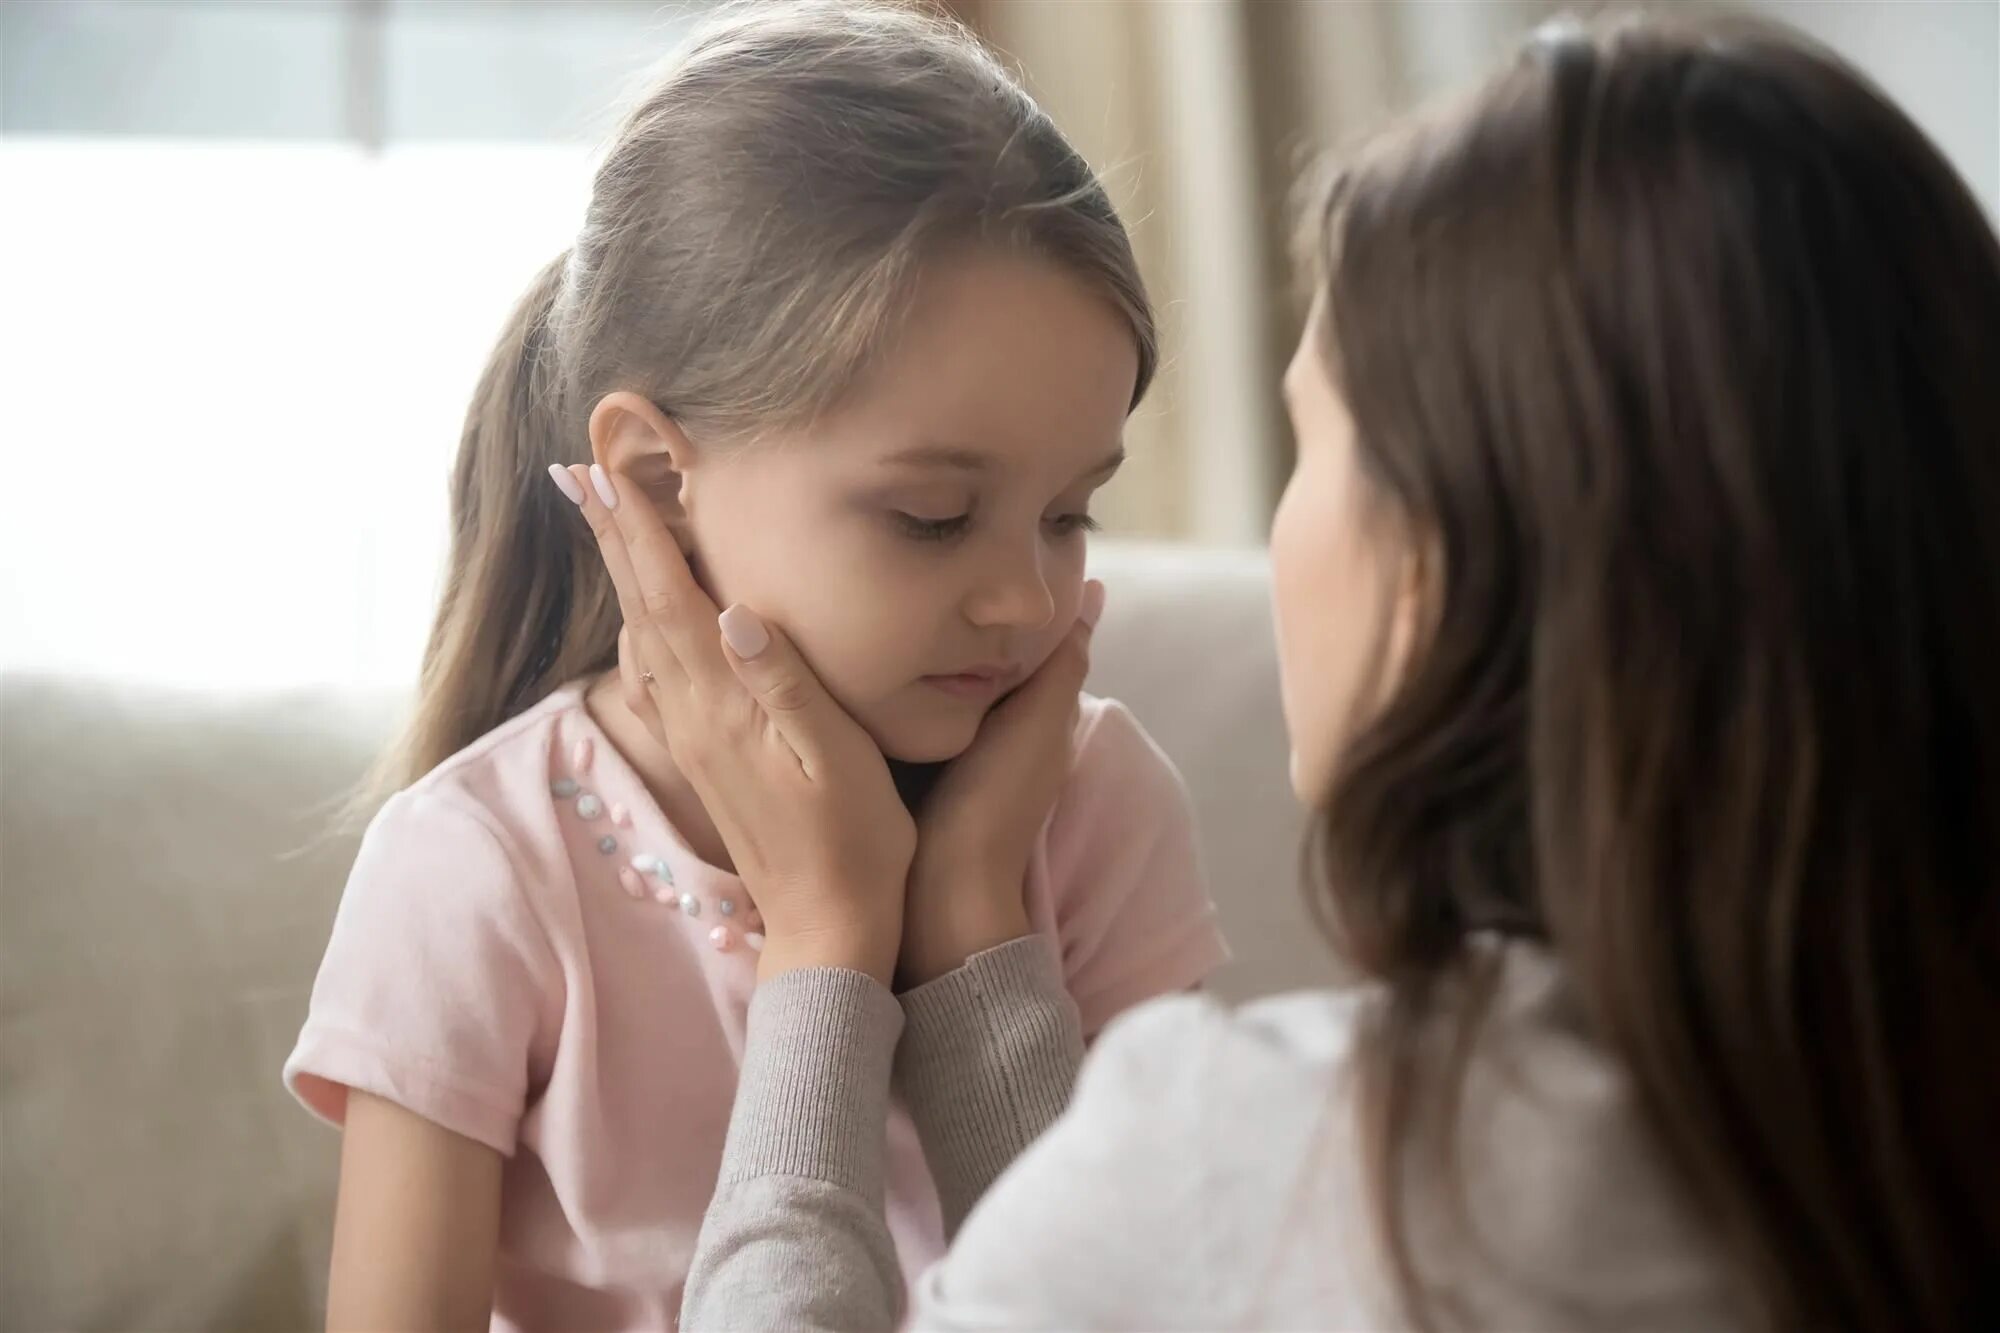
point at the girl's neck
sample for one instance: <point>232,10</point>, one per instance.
<point>655,767</point>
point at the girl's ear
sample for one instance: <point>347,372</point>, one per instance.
<point>634,438</point>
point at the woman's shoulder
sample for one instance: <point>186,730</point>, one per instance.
<point>1211,1169</point>
<point>1240,1089</point>
<point>1202,1047</point>
<point>1181,1165</point>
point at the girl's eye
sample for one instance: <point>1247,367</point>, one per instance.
<point>930,529</point>
<point>1067,525</point>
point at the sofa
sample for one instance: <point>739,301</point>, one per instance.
<point>169,867</point>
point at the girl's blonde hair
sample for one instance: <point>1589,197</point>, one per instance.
<point>752,237</point>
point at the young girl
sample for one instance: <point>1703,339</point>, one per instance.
<point>856,322</point>
<point>1638,596</point>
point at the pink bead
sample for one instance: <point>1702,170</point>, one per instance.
<point>621,816</point>
<point>632,884</point>
<point>666,893</point>
<point>755,940</point>
<point>722,939</point>
<point>579,755</point>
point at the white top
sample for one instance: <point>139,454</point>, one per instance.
<point>1206,1175</point>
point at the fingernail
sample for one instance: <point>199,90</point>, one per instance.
<point>1093,603</point>
<point>566,483</point>
<point>602,481</point>
<point>744,632</point>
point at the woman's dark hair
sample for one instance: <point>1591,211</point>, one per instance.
<point>1677,348</point>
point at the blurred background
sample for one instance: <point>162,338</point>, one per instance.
<point>253,253</point>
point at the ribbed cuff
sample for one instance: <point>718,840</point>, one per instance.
<point>813,1095</point>
<point>988,1058</point>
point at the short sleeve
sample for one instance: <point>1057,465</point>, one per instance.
<point>437,980</point>
<point>1132,912</point>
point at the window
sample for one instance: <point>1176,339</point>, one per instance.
<point>254,257</point>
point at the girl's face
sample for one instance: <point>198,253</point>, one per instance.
<point>924,544</point>
<point>1343,627</point>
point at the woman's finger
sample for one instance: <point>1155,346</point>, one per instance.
<point>1057,681</point>
<point>638,696</point>
<point>667,594</point>
<point>640,645</point>
<point>612,550</point>
<point>770,667</point>
<point>574,481</point>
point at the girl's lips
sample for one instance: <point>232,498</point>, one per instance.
<point>981,683</point>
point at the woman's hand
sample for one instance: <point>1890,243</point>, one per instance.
<point>980,823</point>
<point>798,791</point>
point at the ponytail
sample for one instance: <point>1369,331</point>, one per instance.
<point>526,605</point>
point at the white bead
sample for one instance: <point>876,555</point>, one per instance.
<point>755,939</point>
<point>589,806</point>
<point>564,787</point>
<point>607,844</point>
<point>690,904</point>
<point>727,907</point>
<point>644,862</point>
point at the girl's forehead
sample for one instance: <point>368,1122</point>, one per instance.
<point>1000,359</point>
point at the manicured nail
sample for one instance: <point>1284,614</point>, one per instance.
<point>744,632</point>
<point>602,481</point>
<point>566,483</point>
<point>1093,603</point>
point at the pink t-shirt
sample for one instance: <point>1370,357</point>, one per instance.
<point>528,954</point>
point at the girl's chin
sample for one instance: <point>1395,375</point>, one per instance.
<point>923,754</point>
<point>935,742</point>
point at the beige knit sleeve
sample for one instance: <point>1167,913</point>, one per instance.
<point>794,1236</point>
<point>988,1058</point>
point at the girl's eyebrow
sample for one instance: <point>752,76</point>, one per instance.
<point>962,459</point>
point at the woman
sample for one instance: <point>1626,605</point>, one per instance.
<point>1638,597</point>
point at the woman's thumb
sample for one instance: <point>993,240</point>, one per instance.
<point>766,662</point>
<point>1076,657</point>
<point>1093,604</point>
<point>1076,646</point>
<point>1056,682</point>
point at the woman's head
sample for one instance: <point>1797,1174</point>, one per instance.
<point>864,326</point>
<point>1649,431</point>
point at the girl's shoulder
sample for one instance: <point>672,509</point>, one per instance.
<point>1121,872</point>
<point>523,761</point>
<point>1117,761</point>
<point>504,790</point>
<point>521,769</point>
